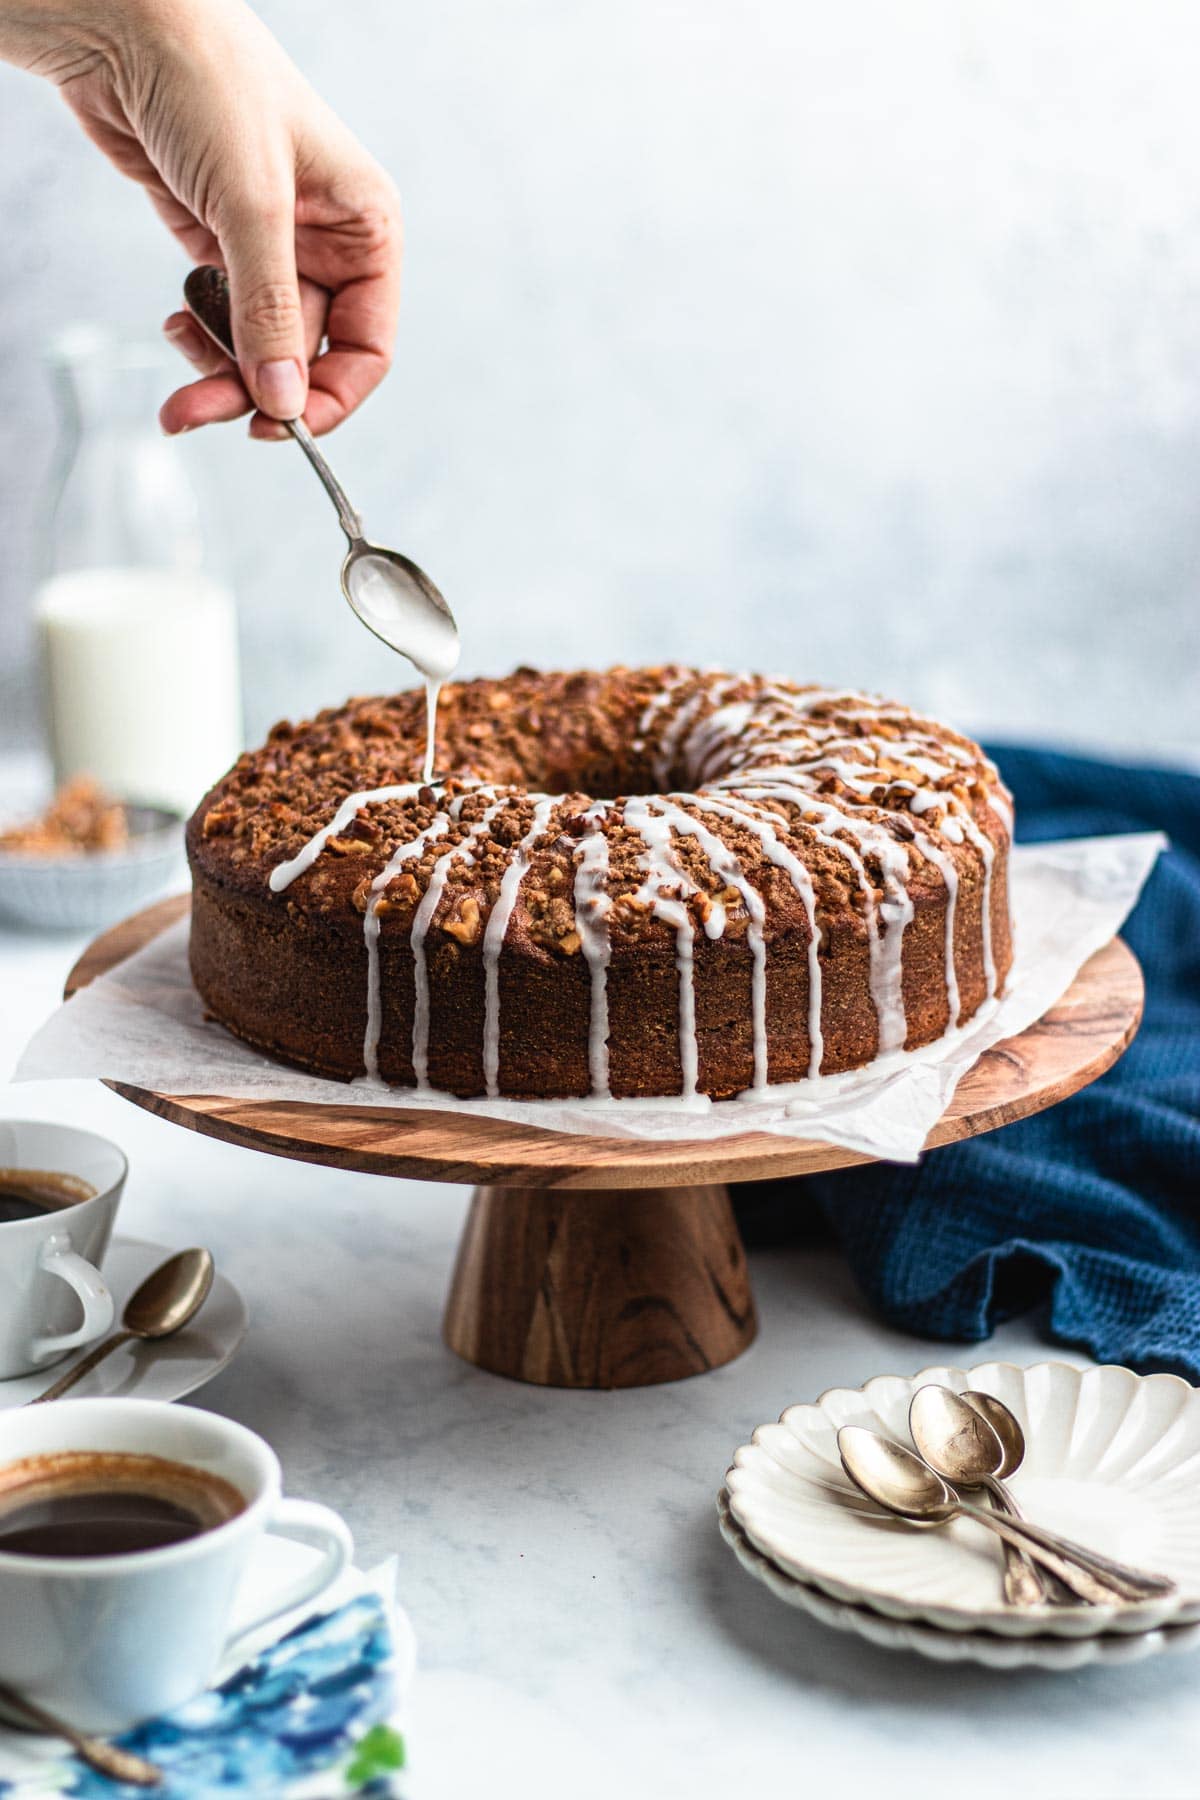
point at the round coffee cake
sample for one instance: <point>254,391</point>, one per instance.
<point>643,882</point>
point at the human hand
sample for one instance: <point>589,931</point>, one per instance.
<point>196,100</point>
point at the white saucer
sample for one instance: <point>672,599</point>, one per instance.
<point>1112,1460</point>
<point>1062,1655</point>
<point>163,1371</point>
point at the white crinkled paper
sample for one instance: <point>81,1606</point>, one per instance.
<point>143,1024</point>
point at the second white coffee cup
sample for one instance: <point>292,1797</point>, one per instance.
<point>107,1641</point>
<point>53,1297</point>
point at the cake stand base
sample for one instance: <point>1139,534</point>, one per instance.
<point>596,1262</point>
<point>600,1289</point>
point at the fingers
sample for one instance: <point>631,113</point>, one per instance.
<point>214,401</point>
<point>183,334</point>
<point>363,312</point>
<point>257,242</point>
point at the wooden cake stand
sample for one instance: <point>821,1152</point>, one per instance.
<point>609,1262</point>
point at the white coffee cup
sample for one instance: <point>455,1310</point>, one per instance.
<point>106,1641</point>
<point>50,1264</point>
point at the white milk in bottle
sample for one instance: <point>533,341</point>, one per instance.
<point>140,674</point>
<point>138,640</point>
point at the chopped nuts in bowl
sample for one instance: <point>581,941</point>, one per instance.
<point>87,861</point>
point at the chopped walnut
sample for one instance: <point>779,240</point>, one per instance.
<point>467,928</point>
<point>219,821</point>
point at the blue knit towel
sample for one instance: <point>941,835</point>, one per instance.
<point>1093,1206</point>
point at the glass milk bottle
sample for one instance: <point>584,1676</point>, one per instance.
<point>138,642</point>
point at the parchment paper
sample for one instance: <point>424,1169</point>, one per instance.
<point>143,1024</point>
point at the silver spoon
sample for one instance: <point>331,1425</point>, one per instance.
<point>954,1431</point>
<point>898,1479</point>
<point>106,1759</point>
<point>955,1456</point>
<point>167,1300</point>
<point>1005,1424</point>
<point>390,594</point>
<point>1007,1427</point>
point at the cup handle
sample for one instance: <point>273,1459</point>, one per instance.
<point>312,1524</point>
<point>58,1258</point>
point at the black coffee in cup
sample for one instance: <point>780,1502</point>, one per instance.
<point>31,1193</point>
<point>71,1503</point>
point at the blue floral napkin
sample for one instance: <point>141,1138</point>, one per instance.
<point>314,1716</point>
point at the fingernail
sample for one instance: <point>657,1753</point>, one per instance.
<point>281,389</point>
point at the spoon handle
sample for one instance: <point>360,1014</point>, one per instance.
<point>106,1759</point>
<point>206,296</point>
<point>83,1367</point>
<point>1023,1585</point>
<point>1104,1566</point>
<point>1080,1581</point>
<point>350,521</point>
<point>1091,1576</point>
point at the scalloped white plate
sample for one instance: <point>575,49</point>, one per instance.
<point>1113,1461</point>
<point>1062,1655</point>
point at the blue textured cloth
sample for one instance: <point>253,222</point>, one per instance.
<point>1091,1209</point>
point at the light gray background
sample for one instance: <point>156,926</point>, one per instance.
<point>855,342</point>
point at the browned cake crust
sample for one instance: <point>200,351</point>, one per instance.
<point>614,889</point>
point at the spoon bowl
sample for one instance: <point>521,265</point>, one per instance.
<point>893,1475</point>
<point>170,1295</point>
<point>1005,1424</point>
<point>954,1438</point>
<point>397,601</point>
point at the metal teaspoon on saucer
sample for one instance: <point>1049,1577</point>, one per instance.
<point>106,1759</point>
<point>388,592</point>
<point>168,1299</point>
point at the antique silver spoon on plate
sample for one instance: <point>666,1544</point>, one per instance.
<point>966,1458</point>
<point>899,1480</point>
<point>387,591</point>
<point>167,1300</point>
<point>960,1444</point>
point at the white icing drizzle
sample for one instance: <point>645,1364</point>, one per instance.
<point>433,688</point>
<point>664,698</point>
<point>662,871</point>
<point>944,863</point>
<point>886,919</point>
<point>592,909</point>
<point>423,919</point>
<point>778,853</point>
<point>724,862</point>
<point>987,851</point>
<point>396,861</point>
<point>494,934</point>
<point>283,876</point>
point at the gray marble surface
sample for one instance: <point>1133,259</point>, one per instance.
<point>858,341</point>
<point>583,1629</point>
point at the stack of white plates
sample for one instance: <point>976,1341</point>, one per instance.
<point>1112,1461</point>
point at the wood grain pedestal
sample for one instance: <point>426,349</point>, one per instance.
<point>612,1262</point>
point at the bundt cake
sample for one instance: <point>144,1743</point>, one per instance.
<point>644,882</point>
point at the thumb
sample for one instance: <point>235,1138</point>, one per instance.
<point>258,245</point>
